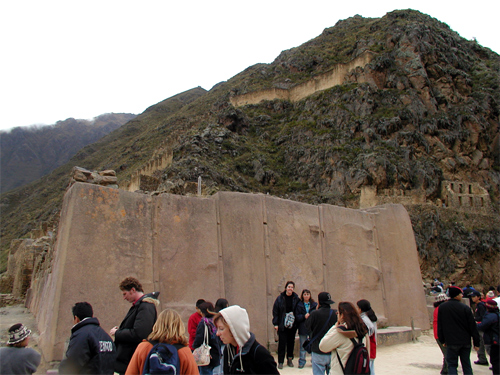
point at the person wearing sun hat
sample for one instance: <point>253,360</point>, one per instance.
<point>16,357</point>
<point>456,326</point>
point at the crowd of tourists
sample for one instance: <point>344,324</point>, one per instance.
<point>219,341</point>
<point>456,323</point>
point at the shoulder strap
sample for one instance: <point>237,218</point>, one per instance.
<point>324,326</point>
<point>340,361</point>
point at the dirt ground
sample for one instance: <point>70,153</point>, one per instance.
<point>422,357</point>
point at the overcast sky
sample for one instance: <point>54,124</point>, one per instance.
<point>80,59</point>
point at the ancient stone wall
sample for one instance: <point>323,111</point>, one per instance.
<point>243,247</point>
<point>371,197</point>
<point>321,82</point>
<point>466,196</point>
<point>157,162</point>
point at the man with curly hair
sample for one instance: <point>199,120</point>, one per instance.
<point>137,324</point>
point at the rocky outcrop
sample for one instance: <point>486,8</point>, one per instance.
<point>104,178</point>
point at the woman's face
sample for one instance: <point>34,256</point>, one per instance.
<point>289,289</point>
<point>306,296</point>
<point>225,334</point>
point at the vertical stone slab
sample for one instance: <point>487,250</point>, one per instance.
<point>186,252</point>
<point>352,260</point>
<point>400,267</point>
<point>295,254</point>
<point>106,236</point>
<point>242,244</point>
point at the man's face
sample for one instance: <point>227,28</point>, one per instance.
<point>129,295</point>
<point>475,299</point>
<point>289,289</point>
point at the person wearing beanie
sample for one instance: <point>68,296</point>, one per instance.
<point>242,353</point>
<point>479,311</point>
<point>456,326</point>
<point>490,326</point>
<point>318,324</point>
<point>16,357</point>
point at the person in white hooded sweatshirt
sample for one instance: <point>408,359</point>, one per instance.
<point>242,354</point>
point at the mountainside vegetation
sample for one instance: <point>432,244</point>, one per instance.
<point>26,154</point>
<point>423,111</point>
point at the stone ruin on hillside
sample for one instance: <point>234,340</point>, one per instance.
<point>466,197</point>
<point>242,247</point>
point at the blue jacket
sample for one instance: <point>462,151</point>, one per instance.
<point>489,325</point>
<point>300,318</point>
<point>90,350</point>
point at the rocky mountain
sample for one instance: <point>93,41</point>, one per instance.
<point>417,123</point>
<point>27,154</point>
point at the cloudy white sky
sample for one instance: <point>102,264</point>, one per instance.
<point>80,59</point>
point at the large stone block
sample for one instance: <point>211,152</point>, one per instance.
<point>242,247</point>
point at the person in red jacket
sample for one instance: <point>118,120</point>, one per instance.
<point>368,315</point>
<point>193,322</point>
<point>440,298</point>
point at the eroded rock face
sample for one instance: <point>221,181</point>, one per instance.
<point>242,247</point>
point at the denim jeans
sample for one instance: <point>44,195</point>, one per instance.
<point>453,352</point>
<point>372,367</point>
<point>205,370</point>
<point>302,358</point>
<point>321,363</point>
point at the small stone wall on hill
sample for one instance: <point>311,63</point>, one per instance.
<point>139,179</point>
<point>371,197</point>
<point>466,196</point>
<point>321,82</point>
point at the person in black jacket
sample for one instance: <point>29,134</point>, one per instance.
<point>286,303</point>
<point>91,350</point>
<point>137,324</point>
<point>490,325</point>
<point>207,323</point>
<point>479,311</point>
<point>456,326</point>
<point>318,324</point>
<point>242,353</point>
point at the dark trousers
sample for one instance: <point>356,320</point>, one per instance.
<point>481,353</point>
<point>286,340</point>
<point>495,359</point>
<point>444,369</point>
<point>453,352</point>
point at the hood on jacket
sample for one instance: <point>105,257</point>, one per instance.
<point>237,319</point>
<point>152,298</point>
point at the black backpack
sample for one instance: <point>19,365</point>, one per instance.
<point>162,359</point>
<point>358,361</point>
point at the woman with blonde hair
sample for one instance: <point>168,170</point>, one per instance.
<point>168,329</point>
